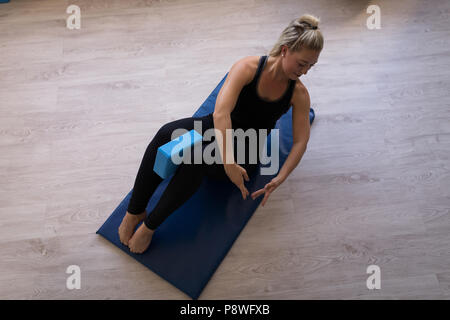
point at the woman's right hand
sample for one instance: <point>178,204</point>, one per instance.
<point>236,173</point>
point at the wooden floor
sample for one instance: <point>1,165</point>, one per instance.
<point>79,107</point>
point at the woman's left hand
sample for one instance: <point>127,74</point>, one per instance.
<point>268,189</point>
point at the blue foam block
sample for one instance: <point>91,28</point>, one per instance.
<point>164,166</point>
<point>188,247</point>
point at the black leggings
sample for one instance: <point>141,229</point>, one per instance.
<point>184,183</point>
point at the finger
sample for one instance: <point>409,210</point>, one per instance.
<point>266,196</point>
<point>242,192</point>
<point>257,193</point>
<point>265,199</point>
<point>246,191</point>
<point>244,174</point>
<point>270,187</point>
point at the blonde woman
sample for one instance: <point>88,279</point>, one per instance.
<point>255,94</point>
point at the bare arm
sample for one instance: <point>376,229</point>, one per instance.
<point>222,123</point>
<point>300,132</point>
<point>236,79</point>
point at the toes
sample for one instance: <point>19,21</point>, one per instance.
<point>123,241</point>
<point>134,250</point>
<point>124,238</point>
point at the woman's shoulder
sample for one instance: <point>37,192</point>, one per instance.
<point>251,66</point>
<point>251,61</point>
<point>300,91</point>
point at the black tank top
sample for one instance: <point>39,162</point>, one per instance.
<point>252,111</point>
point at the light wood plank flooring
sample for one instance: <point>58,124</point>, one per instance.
<point>79,107</point>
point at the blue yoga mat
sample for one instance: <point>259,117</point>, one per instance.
<point>190,244</point>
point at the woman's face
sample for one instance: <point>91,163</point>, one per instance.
<point>297,63</point>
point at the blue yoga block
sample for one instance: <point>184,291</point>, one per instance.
<point>4,1</point>
<point>164,165</point>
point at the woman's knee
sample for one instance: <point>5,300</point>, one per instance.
<point>167,131</point>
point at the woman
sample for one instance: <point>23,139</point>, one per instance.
<point>256,92</point>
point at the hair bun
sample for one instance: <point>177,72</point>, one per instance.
<point>309,25</point>
<point>296,36</point>
<point>309,20</point>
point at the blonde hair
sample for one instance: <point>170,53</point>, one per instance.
<point>300,33</point>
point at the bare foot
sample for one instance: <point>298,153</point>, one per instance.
<point>141,239</point>
<point>129,222</point>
